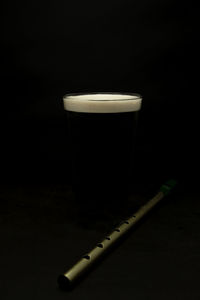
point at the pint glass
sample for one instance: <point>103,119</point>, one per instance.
<point>102,130</point>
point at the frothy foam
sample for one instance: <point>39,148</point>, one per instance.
<point>102,102</point>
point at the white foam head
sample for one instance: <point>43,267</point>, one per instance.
<point>102,102</point>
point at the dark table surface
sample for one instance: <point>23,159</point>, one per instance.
<point>42,235</point>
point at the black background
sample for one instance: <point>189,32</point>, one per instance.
<point>53,48</point>
<point>50,48</point>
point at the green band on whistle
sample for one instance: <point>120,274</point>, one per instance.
<point>168,186</point>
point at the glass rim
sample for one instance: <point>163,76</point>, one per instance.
<point>102,102</point>
<point>135,96</point>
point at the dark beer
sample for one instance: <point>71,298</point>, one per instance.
<point>102,130</point>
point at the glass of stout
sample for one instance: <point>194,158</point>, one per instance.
<point>102,129</point>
